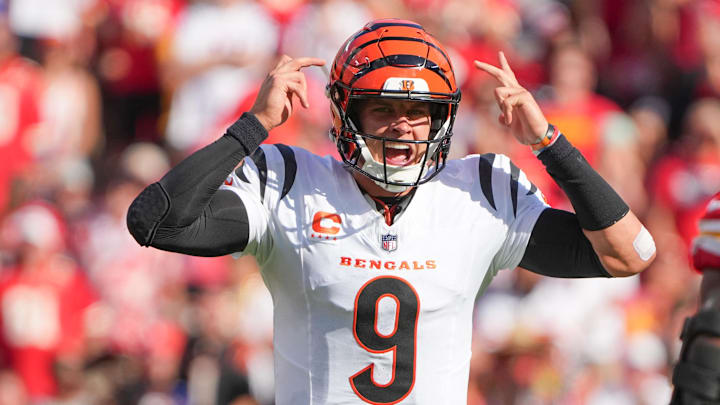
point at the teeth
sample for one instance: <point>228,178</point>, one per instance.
<point>400,147</point>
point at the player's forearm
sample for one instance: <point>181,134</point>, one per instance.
<point>180,197</point>
<point>618,238</point>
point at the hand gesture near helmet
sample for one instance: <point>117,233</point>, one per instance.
<point>520,112</point>
<point>274,102</point>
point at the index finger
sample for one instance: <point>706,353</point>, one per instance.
<point>303,62</point>
<point>495,72</point>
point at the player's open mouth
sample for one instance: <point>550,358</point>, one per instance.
<point>398,155</point>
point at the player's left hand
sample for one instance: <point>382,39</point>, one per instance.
<point>274,102</point>
<point>520,111</point>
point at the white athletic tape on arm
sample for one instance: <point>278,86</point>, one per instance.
<point>644,244</point>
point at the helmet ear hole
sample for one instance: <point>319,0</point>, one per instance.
<point>353,114</point>
<point>438,115</point>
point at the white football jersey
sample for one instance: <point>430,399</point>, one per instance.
<point>370,313</point>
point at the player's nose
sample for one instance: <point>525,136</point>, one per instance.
<point>401,125</point>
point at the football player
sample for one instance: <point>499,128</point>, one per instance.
<point>697,374</point>
<point>374,262</point>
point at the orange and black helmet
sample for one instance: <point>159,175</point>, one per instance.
<point>394,59</point>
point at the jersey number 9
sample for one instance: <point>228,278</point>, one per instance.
<point>401,341</point>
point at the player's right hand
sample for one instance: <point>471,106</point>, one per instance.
<point>706,246</point>
<point>274,102</point>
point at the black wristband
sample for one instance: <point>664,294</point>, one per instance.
<point>596,204</point>
<point>248,131</point>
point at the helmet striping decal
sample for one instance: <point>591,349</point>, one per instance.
<point>360,47</point>
<point>408,61</point>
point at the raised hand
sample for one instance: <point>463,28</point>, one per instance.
<point>520,112</point>
<point>274,102</point>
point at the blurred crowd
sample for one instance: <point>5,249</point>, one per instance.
<point>98,98</point>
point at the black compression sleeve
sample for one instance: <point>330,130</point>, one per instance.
<point>220,229</point>
<point>184,212</point>
<point>596,204</point>
<point>558,248</point>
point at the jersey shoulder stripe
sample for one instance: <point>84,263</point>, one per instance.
<point>514,178</point>
<point>258,157</point>
<point>269,173</point>
<point>485,168</point>
<point>290,168</point>
<point>500,178</point>
<point>240,173</point>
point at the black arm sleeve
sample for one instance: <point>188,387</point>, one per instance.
<point>596,204</point>
<point>558,248</point>
<point>184,212</point>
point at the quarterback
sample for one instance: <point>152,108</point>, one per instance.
<point>374,261</point>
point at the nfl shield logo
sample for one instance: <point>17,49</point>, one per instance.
<point>389,242</point>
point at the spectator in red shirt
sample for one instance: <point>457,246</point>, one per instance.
<point>43,299</point>
<point>20,84</point>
